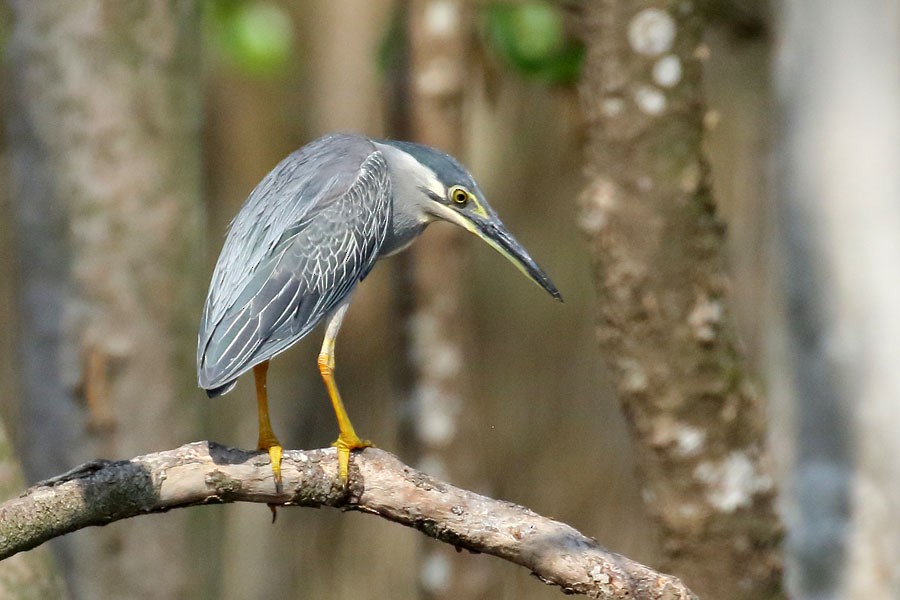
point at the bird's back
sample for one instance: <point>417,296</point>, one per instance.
<point>306,235</point>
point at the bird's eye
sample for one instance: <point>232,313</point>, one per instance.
<point>459,196</point>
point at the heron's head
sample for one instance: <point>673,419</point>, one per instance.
<point>453,196</point>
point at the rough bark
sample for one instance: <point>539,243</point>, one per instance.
<point>838,77</point>
<point>428,108</point>
<point>104,145</point>
<point>100,492</point>
<point>664,324</point>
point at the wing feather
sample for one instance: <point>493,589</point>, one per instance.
<point>308,233</point>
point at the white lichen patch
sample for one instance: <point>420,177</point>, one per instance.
<point>442,18</point>
<point>685,440</point>
<point>667,71</point>
<point>705,318</point>
<point>634,379</point>
<point>689,440</point>
<point>598,575</point>
<point>650,100</point>
<point>651,32</point>
<point>732,482</point>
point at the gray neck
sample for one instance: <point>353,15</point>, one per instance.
<point>410,204</point>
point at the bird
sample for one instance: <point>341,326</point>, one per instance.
<point>308,233</point>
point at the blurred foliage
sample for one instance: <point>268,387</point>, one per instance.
<point>531,38</point>
<point>254,36</point>
<point>393,42</point>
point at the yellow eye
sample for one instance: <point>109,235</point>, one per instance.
<point>459,195</point>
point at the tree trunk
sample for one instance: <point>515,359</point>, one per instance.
<point>838,76</point>
<point>428,108</point>
<point>664,323</point>
<point>104,143</point>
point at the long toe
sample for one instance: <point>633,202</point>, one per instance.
<point>275,456</point>
<point>345,444</point>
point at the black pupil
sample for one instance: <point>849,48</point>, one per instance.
<point>461,196</point>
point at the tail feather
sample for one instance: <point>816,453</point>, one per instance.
<point>221,390</point>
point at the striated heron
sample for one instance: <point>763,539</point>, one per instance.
<point>309,232</point>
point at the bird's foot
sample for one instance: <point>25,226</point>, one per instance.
<point>346,444</point>
<point>273,447</point>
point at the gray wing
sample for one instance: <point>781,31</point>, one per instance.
<point>309,232</point>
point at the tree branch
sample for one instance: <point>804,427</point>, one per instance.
<point>101,492</point>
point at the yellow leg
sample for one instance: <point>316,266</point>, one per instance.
<point>347,438</point>
<point>267,439</point>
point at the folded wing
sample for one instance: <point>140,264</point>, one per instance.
<point>308,233</point>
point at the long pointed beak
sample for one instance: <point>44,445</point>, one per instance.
<point>500,239</point>
<point>494,232</point>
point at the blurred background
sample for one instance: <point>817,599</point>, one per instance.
<point>539,423</point>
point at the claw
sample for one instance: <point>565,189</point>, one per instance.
<point>345,445</point>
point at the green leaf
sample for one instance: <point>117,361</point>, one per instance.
<point>253,36</point>
<point>531,38</point>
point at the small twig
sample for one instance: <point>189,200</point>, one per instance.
<point>100,492</point>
